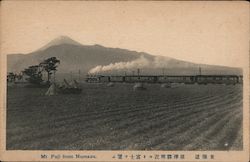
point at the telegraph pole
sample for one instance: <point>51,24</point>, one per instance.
<point>79,72</point>
<point>163,71</point>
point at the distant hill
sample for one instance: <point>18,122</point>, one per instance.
<point>75,56</point>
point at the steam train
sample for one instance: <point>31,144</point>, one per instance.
<point>187,79</point>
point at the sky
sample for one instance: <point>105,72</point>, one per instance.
<point>200,32</point>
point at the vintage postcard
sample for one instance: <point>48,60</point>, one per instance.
<point>124,81</point>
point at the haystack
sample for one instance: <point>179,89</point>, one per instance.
<point>110,84</point>
<point>52,90</point>
<point>166,85</point>
<point>139,86</point>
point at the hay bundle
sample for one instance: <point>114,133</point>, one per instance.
<point>166,85</point>
<point>52,90</point>
<point>139,86</point>
<point>110,84</point>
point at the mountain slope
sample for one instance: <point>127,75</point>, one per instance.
<point>58,41</point>
<point>74,57</point>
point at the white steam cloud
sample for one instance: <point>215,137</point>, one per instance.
<point>142,62</point>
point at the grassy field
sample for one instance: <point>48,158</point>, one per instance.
<point>189,117</point>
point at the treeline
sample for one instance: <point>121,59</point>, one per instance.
<point>34,73</point>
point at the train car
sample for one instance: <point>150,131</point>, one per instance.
<point>217,79</point>
<point>187,79</point>
<point>117,78</point>
<point>131,79</point>
<point>134,78</point>
<point>176,79</point>
<point>146,79</point>
<point>204,79</point>
<point>230,79</point>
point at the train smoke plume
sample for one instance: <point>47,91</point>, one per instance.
<point>141,62</point>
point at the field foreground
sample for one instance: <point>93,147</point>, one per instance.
<point>189,117</point>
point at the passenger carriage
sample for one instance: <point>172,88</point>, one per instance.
<point>217,79</point>
<point>141,78</point>
<point>117,78</point>
<point>176,79</point>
